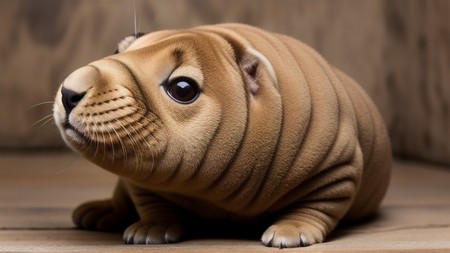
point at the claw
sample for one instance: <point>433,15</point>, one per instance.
<point>303,241</point>
<point>286,236</point>
<point>145,232</point>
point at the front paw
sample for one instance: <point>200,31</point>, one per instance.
<point>147,232</point>
<point>289,236</point>
<point>101,215</point>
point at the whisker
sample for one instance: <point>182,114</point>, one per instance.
<point>144,116</point>
<point>44,118</point>
<point>90,141</point>
<point>138,111</point>
<point>109,130</point>
<point>149,146</point>
<point>149,121</point>
<point>133,142</point>
<point>141,157</point>
<point>140,18</point>
<point>68,165</point>
<point>39,104</point>
<point>104,143</point>
<point>124,153</point>
<point>48,120</point>
<point>152,20</point>
<point>134,12</point>
<point>112,143</point>
<point>95,132</point>
<point>92,144</point>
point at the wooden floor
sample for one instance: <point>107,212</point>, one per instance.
<point>39,191</point>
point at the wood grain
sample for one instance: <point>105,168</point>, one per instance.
<point>417,74</point>
<point>39,191</point>
<point>398,50</point>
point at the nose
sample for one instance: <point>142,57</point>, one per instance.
<point>70,99</point>
<point>76,85</point>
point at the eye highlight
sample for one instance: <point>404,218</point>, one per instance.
<point>183,90</point>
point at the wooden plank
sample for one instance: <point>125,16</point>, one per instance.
<point>60,180</point>
<point>418,183</point>
<point>41,190</point>
<point>38,193</point>
<point>74,240</point>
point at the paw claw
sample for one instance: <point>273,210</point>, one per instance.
<point>144,232</point>
<point>287,236</point>
<point>303,241</point>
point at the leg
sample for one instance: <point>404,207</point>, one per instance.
<point>160,221</point>
<point>313,218</point>
<point>107,215</point>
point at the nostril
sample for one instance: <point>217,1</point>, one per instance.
<point>70,99</point>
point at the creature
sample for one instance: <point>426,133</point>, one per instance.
<point>225,123</point>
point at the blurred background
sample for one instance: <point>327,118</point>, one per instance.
<point>398,50</point>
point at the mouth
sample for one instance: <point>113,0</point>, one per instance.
<point>73,133</point>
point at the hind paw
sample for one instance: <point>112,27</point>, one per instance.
<point>101,215</point>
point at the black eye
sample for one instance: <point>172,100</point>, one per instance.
<point>183,90</point>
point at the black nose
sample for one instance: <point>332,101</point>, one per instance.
<point>70,99</point>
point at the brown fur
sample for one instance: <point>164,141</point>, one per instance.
<point>276,134</point>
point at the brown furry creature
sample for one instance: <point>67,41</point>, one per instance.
<point>228,123</point>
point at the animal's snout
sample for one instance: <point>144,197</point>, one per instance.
<point>76,85</point>
<point>70,99</point>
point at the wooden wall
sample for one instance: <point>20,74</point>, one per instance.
<point>399,50</point>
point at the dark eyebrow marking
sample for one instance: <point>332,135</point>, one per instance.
<point>178,55</point>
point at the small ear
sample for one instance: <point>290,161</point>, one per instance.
<point>251,64</point>
<point>249,67</point>
<point>127,41</point>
